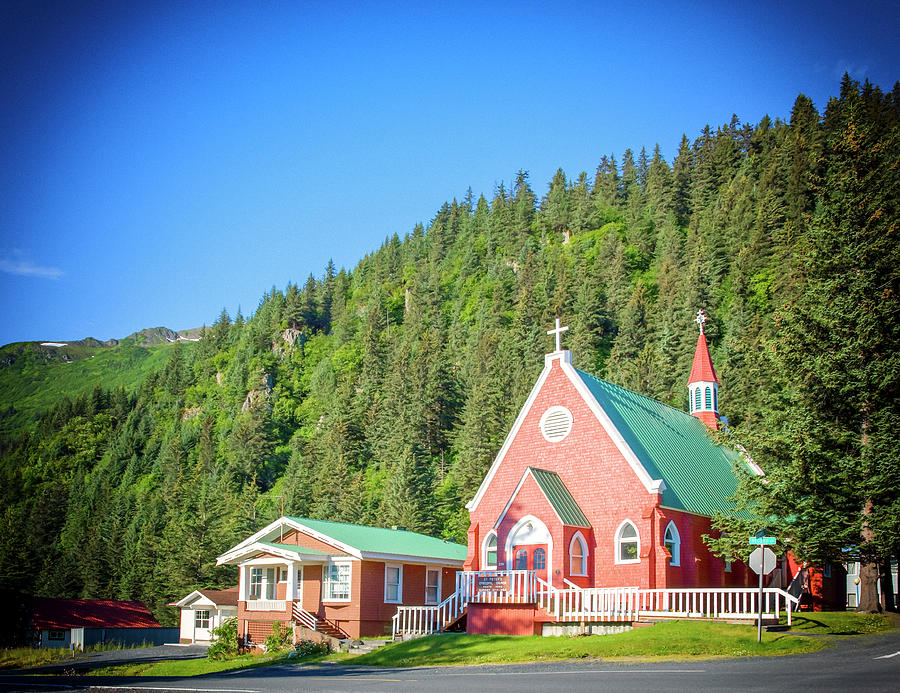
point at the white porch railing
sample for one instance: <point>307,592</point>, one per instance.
<point>600,604</point>
<point>303,617</point>
<point>425,620</point>
<point>721,602</point>
<point>266,605</point>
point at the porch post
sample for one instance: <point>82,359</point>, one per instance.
<point>291,591</point>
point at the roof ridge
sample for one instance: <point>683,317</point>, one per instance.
<point>637,394</point>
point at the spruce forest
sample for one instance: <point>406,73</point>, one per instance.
<point>380,395</point>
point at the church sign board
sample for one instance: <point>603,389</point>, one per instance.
<point>492,583</point>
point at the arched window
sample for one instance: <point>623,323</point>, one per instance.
<point>489,553</point>
<point>697,399</point>
<point>708,397</point>
<point>627,544</point>
<point>672,541</point>
<point>540,559</point>
<point>578,556</point>
<point>521,560</point>
<point>716,399</point>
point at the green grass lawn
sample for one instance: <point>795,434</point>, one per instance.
<point>192,667</point>
<point>26,657</point>
<point>669,640</point>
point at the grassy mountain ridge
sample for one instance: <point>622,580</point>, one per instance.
<point>36,375</point>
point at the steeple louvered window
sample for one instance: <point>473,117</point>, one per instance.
<point>708,397</point>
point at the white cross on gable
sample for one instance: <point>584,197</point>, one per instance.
<point>700,319</point>
<point>558,332</point>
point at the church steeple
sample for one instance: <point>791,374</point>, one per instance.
<point>703,385</point>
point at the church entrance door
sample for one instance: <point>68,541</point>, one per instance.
<point>532,557</point>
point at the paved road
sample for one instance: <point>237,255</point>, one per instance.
<point>93,660</point>
<point>869,663</point>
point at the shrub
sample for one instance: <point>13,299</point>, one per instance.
<point>280,639</point>
<point>308,648</point>
<point>226,640</point>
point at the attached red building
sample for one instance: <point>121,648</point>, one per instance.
<point>339,579</point>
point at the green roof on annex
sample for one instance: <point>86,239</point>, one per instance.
<point>673,446</point>
<point>384,540</point>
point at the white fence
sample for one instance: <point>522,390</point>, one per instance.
<point>600,604</point>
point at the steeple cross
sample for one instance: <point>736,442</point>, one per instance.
<point>700,319</point>
<point>558,332</point>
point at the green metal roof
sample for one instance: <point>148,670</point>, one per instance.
<point>390,541</point>
<point>296,549</point>
<point>673,446</point>
<point>559,497</point>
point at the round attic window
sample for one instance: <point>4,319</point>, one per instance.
<point>556,423</point>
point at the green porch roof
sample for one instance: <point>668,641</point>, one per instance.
<point>673,446</point>
<point>388,541</point>
<point>559,497</point>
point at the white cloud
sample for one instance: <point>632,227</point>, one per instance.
<point>26,268</point>
<point>855,70</point>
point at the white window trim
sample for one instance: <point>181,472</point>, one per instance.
<point>439,580</point>
<point>326,581</point>
<point>675,560</point>
<point>510,549</point>
<point>399,599</point>
<point>198,619</point>
<point>618,543</point>
<point>578,537</point>
<point>484,551</point>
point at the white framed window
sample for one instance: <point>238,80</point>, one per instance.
<point>282,575</point>
<point>201,618</point>
<point>262,583</point>
<point>578,555</point>
<point>539,559</point>
<point>697,399</point>
<point>432,585</point>
<point>336,582</point>
<point>393,584</point>
<point>628,544</point>
<point>489,552</point>
<point>708,397</point>
<point>672,541</point>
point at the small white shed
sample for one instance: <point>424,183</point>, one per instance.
<point>203,610</point>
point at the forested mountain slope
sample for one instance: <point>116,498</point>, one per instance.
<point>380,395</point>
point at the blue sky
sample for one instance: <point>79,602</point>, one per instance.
<point>160,160</point>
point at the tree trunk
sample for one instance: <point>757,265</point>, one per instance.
<point>868,567</point>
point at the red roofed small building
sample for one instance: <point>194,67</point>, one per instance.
<point>85,622</point>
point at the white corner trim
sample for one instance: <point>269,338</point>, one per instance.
<point>653,486</point>
<point>562,356</point>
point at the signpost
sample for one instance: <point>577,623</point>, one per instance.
<point>762,561</point>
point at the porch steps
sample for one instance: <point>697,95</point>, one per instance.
<point>329,629</point>
<point>362,646</point>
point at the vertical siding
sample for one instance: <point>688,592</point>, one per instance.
<point>501,619</point>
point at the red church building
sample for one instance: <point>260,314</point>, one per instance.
<point>595,507</point>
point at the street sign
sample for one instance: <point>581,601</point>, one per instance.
<point>763,541</point>
<point>762,561</point>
